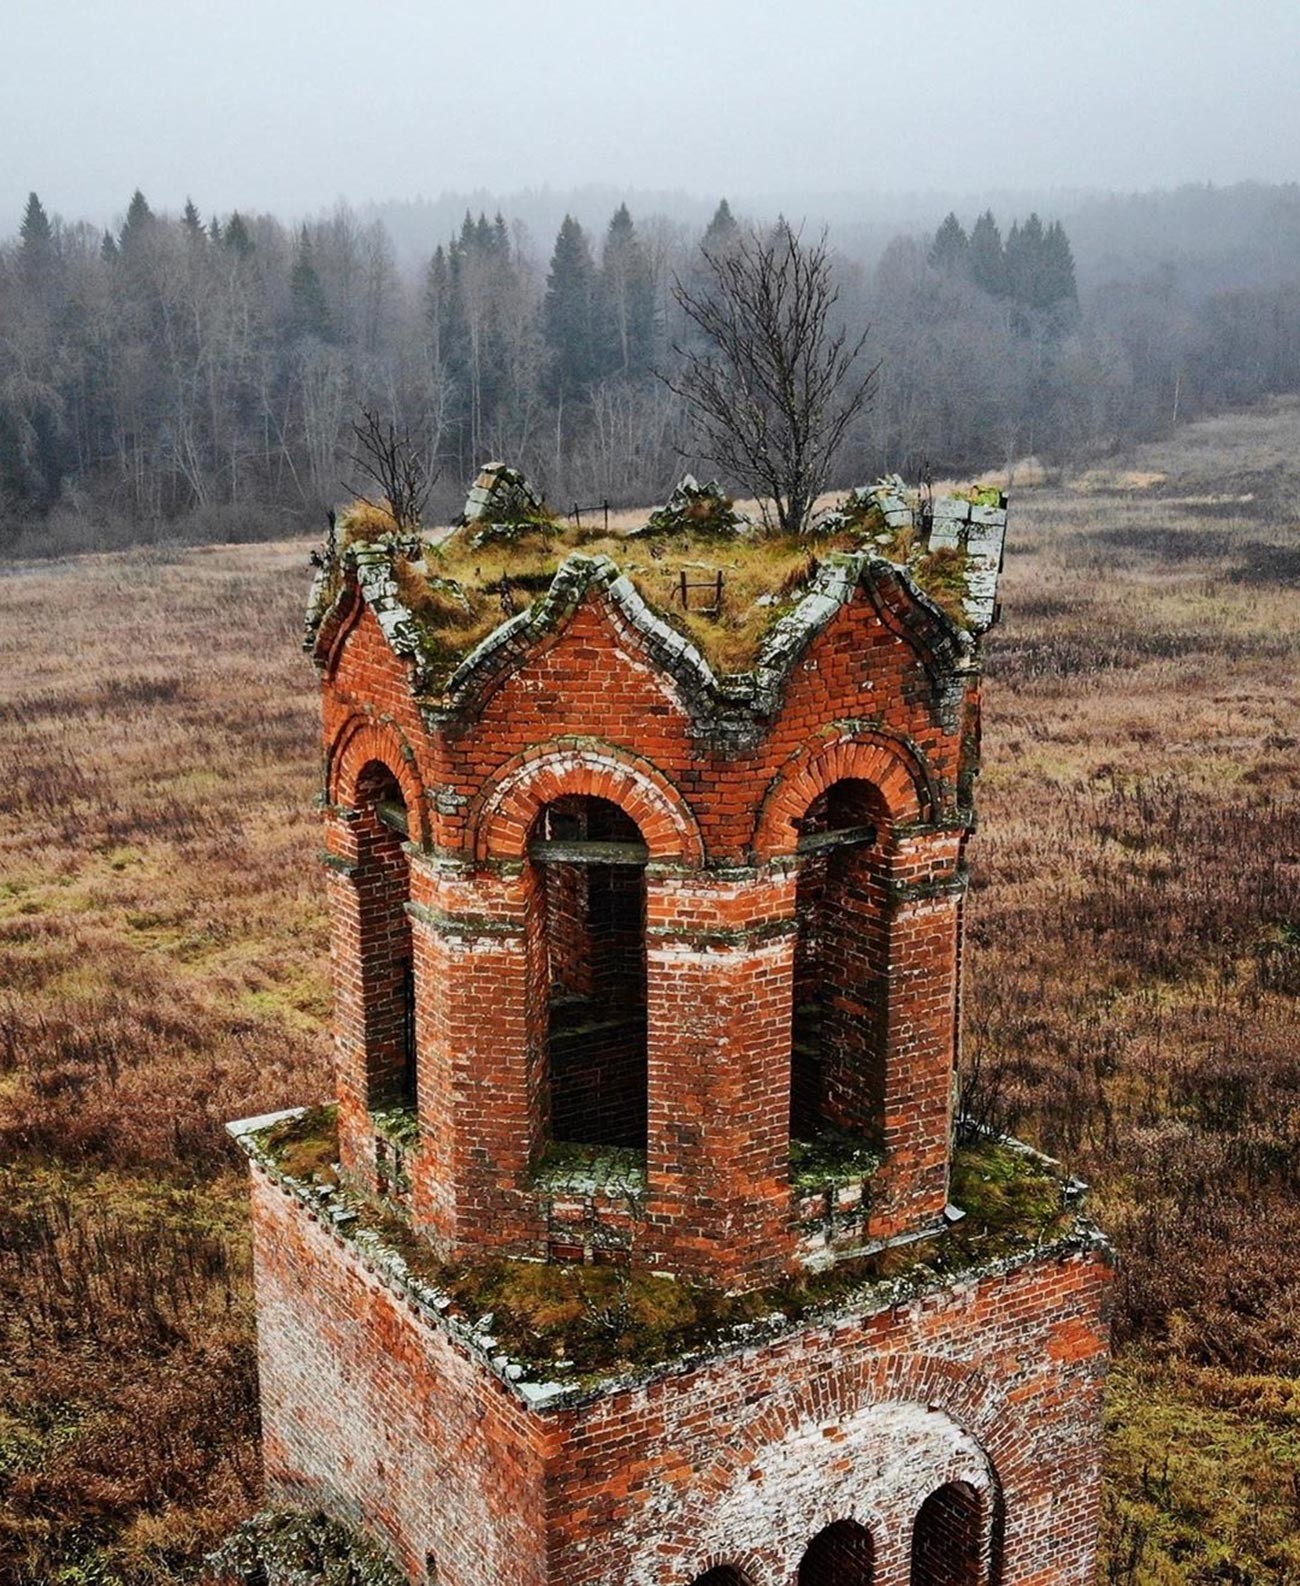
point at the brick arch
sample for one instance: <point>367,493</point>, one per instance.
<point>362,742</point>
<point>966,1396</point>
<point>509,804</point>
<point>889,765</point>
<point>746,1568</point>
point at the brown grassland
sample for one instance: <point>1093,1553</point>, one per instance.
<point>1134,974</point>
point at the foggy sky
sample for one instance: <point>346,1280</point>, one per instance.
<point>289,105</point>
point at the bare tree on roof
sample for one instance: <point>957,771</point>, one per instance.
<point>777,385</point>
<point>391,459</point>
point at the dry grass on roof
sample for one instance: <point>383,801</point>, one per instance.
<point>459,593</point>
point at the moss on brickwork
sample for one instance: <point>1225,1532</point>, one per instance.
<point>458,590</point>
<point>567,1321</point>
<point>291,1547</point>
<point>306,1146</point>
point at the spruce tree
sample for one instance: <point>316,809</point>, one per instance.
<point>722,231</point>
<point>309,316</point>
<point>36,232</point>
<point>569,313</point>
<point>1060,286</point>
<point>986,259</point>
<point>192,222</point>
<point>949,248</point>
<point>1024,263</point>
<point>139,217</point>
<point>237,236</point>
<point>627,297</point>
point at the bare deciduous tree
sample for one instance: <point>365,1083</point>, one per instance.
<point>778,385</point>
<point>393,462</point>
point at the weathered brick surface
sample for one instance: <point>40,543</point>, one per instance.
<point>993,1384</point>
<point>952,1438</point>
<point>592,710</point>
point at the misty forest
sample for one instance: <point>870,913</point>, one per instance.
<point>192,377</point>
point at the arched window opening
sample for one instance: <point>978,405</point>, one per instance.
<point>841,1555</point>
<point>841,965</point>
<point>591,859</point>
<point>721,1575</point>
<point>946,1538</point>
<point>387,966</point>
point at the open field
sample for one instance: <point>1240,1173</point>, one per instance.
<point>1134,976</point>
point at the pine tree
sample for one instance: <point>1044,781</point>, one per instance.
<point>214,229</point>
<point>309,312</point>
<point>139,217</point>
<point>722,231</point>
<point>192,222</point>
<point>627,297</point>
<point>237,236</point>
<point>569,313</point>
<point>36,232</point>
<point>949,249</point>
<point>986,258</point>
<point>108,249</point>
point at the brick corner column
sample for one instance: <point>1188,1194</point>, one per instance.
<point>341,861</point>
<point>720,962</point>
<point>926,889</point>
<point>481,1058</point>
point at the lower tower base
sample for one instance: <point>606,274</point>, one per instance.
<point>932,1430</point>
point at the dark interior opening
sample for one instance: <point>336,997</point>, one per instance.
<point>946,1538</point>
<point>591,860</point>
<point>722,1575</point>
<point>841,1555</point>
<point>387,960</point>
<point>836,1079</point>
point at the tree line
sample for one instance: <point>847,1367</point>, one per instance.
<point>191,376</point>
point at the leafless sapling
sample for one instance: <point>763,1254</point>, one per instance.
<point>391,460</point>
<point>778,383</point>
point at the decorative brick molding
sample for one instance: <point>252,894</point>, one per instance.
<point>508,805</point>
<point>363,741</point>
<point>863,753</point>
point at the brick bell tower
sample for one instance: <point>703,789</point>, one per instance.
<point>647,978</point>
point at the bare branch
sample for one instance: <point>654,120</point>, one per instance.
<point>393,462</point>
<point>774,394</point>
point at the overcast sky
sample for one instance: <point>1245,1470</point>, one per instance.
<point>290,104</point>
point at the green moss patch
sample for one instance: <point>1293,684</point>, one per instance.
<point>567,1321</point>
<point>305,1147</point>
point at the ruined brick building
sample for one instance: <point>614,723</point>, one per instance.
<point>647,983</point>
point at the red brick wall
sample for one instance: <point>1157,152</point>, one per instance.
<point>859,705</point>
<point>370,1409</point>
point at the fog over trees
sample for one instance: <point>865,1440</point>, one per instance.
<point>199,376</point>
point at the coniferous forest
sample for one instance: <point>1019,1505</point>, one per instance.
<point>192,377</point>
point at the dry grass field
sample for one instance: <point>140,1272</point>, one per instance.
<point>1135,969</point>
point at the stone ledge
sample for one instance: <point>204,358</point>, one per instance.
<point>859,1302</point>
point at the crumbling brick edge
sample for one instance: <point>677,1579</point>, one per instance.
<point>431,1304</point>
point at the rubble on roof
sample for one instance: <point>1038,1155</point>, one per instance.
<point>694,508</point>
<point>501,494</point>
